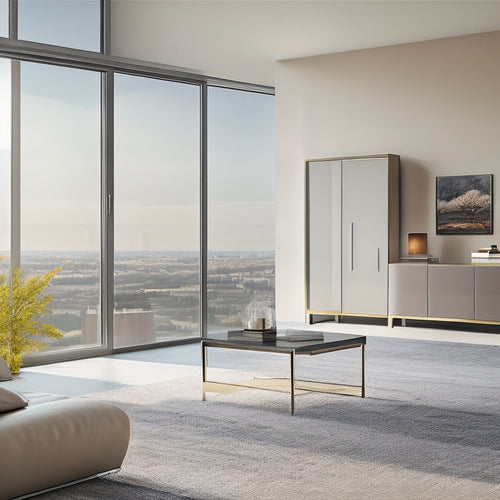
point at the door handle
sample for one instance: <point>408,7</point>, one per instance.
<point>352,246</point>
<point>378,259</point>
<point>109,204</point>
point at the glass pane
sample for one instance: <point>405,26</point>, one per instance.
<point>5,127</point>
<point>157,158</point>
<point>68,23</point>
<point>60,195</point>
<point>4,18</point>
<point>241,263</point>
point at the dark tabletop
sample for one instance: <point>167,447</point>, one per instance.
<point>309,340</point>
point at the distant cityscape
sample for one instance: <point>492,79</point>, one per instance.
<point>157,294</point>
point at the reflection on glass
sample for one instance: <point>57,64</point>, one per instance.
<point>67,23</point>
<point>157,267</point>
<point>240,204</point>
<point>5,96</point>
<point>4,18</point>
<point>60,194</point>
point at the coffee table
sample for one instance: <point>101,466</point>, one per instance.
<point>286,343</point>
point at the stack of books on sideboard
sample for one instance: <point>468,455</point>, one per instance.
<point>487,253</point>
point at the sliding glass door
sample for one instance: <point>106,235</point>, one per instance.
<point>101,162</point>
<point>157,250</point>
<point>241,265</point>
<point>52,198</point>
<point>60,172</point>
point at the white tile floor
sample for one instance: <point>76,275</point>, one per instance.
<point>408,332</point>
<point>119,371</point>
<point>75,378</point>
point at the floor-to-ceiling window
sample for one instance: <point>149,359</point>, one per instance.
<point>5,153</point>
<point>240,204</point>
<point>66,181</point>
<point>60,169</point>
<point>157,250</point>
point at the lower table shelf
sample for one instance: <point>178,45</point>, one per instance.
<point>282,385</point>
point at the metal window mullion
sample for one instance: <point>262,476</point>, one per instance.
<point>64,56</point>
<point>107,215</point>
<point>15,185</point>
<point>13,31</point>
<point>203,209</point>
<point>105,27</point>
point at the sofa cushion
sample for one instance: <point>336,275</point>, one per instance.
<point>10,399</point>
<point>60,442</point>
<point>4,371</point>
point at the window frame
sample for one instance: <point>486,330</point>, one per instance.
<point>108,65</point>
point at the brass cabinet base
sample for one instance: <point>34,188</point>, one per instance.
<point>325,317</point>
<point>403,319</point>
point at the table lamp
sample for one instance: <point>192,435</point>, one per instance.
<point>417,243</point>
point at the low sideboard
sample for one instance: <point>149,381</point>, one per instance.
<point>445,292</point>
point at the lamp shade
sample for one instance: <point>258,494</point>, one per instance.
<point>417,243</point>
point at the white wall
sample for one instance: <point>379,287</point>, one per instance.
<point>435,103</point>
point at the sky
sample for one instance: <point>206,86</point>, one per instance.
<point>4,18</point>
<point>157,152</point>
<point>77,22</point>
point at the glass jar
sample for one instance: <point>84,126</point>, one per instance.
<point>260,316</point>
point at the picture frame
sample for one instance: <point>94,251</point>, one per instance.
<point>464,204</point>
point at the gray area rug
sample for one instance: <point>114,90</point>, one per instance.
<point>103,489</point>
<point>429,428</point>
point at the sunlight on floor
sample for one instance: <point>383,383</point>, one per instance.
<point>117,370</point>
<point>80,377</point>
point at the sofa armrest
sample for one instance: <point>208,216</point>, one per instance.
<point>50,444</point>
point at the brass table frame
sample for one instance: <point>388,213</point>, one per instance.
<point>294,385</point>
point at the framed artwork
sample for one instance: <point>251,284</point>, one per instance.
<point>464,204</point>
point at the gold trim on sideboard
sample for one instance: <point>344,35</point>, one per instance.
<point>392,317</point>
<point>326,313</point>
<point>338,313</point>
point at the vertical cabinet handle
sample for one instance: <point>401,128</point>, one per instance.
<point>378,259</point>
<point>352,246</point>
<point>109,204</point>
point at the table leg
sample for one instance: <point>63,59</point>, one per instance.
<point>203,369</point>
<point>363,370</point>
<point>292,382</point>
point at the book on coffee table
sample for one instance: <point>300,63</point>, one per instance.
<point>272,335</point>
<point>301,337</point>
<point>264,335</point>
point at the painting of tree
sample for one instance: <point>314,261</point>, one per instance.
<point>464,204</point>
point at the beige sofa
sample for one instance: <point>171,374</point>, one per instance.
<point>50,441</point>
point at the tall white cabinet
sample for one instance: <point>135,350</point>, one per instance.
<point>352,233</point>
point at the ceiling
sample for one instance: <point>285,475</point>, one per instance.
<point>242,40</point>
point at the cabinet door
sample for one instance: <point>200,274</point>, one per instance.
<point>487,293</point>
<point>364,236</point>
<point>323,228</point>
<point>451,291</point>
<point>408,289</point>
